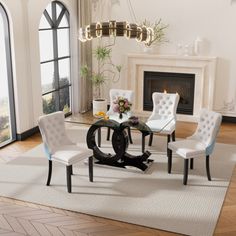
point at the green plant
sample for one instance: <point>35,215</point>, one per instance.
<point>105,69</point>
<point>158,31</point>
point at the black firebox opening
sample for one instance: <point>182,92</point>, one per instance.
<point>181,83</point>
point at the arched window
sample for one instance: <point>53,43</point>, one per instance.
<point>54,39</point>
<point>7,115</point>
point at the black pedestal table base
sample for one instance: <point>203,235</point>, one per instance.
<point>120,143</point>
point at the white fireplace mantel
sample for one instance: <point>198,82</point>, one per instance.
<point>203,67</point>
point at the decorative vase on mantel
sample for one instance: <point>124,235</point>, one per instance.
<point>151,49</point>
<point>148,49</point>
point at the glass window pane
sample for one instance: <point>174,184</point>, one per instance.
<point>64,22</point>
<point>64,95</point>
<point>44,23</point>
<point>3,64</point>
<point>47,77</point>
<point>46,45</point>
<point>59,99</point>
<point>64,71</point>
<point>58,9</point>
<point>63,42</point>
<point>5,114</point>
<point>49,103</point>
<point>49,9</point>
<point>5,122</point>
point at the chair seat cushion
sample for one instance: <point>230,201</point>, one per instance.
<point>188,148</point>
<point>157,125</point>
<point>70,154</point>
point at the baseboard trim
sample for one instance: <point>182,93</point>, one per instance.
<point>27,134</point>
<point>229,119</point>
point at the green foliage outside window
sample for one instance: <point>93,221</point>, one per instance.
<point>49,101</point>
<point>4,128</point>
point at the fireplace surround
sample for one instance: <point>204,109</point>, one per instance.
<point>203,69</point>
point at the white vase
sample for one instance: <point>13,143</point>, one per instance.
<point>199,47</point>
<point>99,105</point>
<point>153,49</point>
<point>147,49</point>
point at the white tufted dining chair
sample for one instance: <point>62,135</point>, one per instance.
<point>59,148</point>
<point>201,143</point>
<point>114,93</point>
<point>164,107</point>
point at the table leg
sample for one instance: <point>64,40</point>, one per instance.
<point>143,143</point>
<point>99,137</point>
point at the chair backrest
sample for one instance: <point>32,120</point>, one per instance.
<point>207,129</point>
<point>114,93</point>
<point>164,105</point>
<point>52,129</point>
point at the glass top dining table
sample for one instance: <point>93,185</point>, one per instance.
<point>120,140</point>
<point>136,121</point>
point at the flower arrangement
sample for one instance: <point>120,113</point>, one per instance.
<point>121,105</point>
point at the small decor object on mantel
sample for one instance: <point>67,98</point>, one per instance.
<point>121,105</point>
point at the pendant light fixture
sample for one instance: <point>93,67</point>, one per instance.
<point>114,28</point>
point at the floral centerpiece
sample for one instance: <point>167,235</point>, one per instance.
<point>121,105</point>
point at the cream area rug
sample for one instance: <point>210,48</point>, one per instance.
<point>155,198</point>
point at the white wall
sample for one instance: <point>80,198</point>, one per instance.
<point>24,16</point>
<point>22,86</point>
<point>213,20</point>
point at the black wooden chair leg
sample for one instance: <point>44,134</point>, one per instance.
<point>49,172</point>
<point>173,136</point>
<point>168,140</point>
<point>99,137</point>
<point>191,163</point>
<point>68,177</point>
<point>208,168</point>
<point>71,169</point>
<point>150,139</point>
<point>185,180</point>
<point>91,169</point>
<point>169,160</point>
<point>130,137</point>
<point>108,133</point>
<point>143,143</point>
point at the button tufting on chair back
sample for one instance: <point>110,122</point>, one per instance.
<point>207,129</point>
<point>165,104</point>
<point>53,132</point>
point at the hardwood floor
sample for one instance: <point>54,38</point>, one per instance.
<point>23,218</point>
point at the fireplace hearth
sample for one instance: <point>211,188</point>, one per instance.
<point>181,83</point>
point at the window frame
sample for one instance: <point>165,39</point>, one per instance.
<point>12,120</point>
<point>54,22</point>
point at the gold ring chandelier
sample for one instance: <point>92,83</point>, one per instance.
<point>112,28</point>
